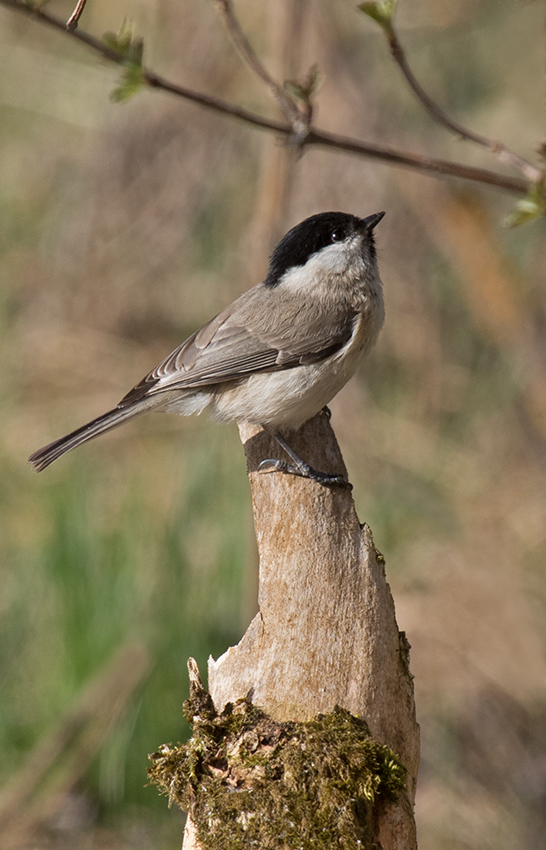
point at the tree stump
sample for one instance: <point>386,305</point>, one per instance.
<point>326,632</point>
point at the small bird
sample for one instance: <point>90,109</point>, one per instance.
<point>280,352</point>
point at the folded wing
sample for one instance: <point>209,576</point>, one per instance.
<point>235,344</point>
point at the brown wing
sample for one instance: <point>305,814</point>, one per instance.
<point>242,340</point>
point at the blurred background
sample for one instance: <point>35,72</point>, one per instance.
<point>123,228</point>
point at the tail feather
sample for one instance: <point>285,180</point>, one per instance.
<point>43,457</point>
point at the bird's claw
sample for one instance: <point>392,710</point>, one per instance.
<point>329,479</point>
<point>271,465</point>
<point>326,412</point>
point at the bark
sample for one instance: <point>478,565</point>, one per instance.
<point>326,631</point>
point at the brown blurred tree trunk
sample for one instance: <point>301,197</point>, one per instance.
<point>287,22</point>
<point>326,632</point>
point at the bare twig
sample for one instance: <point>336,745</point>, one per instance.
<point>417,162</point>
<point>530,172</point>
<point>244,48</point>
<point>74,18</point>
<point>423,164</point>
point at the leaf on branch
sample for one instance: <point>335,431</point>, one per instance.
<point>528,209</point>
<point>132,81</point>
<point>131,49</point>
<point>381,11</point>
<point>129,46</point>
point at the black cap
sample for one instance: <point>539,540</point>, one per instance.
<point>310,236</point>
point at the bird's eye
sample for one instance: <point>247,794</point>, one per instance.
<point>338,235</point>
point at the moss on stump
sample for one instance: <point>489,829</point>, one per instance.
<point>250,781</point>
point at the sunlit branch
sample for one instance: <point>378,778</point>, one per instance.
<point>314,136</point>
<point>503,154</point>
<point>284,102</point>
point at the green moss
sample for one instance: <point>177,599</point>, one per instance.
<point>249,781</point>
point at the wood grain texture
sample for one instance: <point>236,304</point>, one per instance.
<point>326,631</point>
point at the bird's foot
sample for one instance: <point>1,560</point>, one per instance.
<point>303,470</point>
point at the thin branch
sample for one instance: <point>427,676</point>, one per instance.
<point>48,18</point>
<point>216,104</point>
<point>503,154</point>
<point>417,162</point>
<point>318,137</point>
<point>247,54</point>
<point>346,144</point>
<point>74,18</point>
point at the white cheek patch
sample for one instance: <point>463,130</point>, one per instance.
<point>335,259</point>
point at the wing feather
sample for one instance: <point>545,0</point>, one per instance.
<point>237,342</point>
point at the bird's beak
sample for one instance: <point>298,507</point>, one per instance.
<point>371,221</point>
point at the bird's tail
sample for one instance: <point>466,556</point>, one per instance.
<point>43,457</point>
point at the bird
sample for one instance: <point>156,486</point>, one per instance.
<point>279,353</point>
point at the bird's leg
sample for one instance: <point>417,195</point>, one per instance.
<point>299,467</point>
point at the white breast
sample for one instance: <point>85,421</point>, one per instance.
<point>290,397</point>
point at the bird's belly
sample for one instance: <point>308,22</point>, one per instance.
<point>286,398</point>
